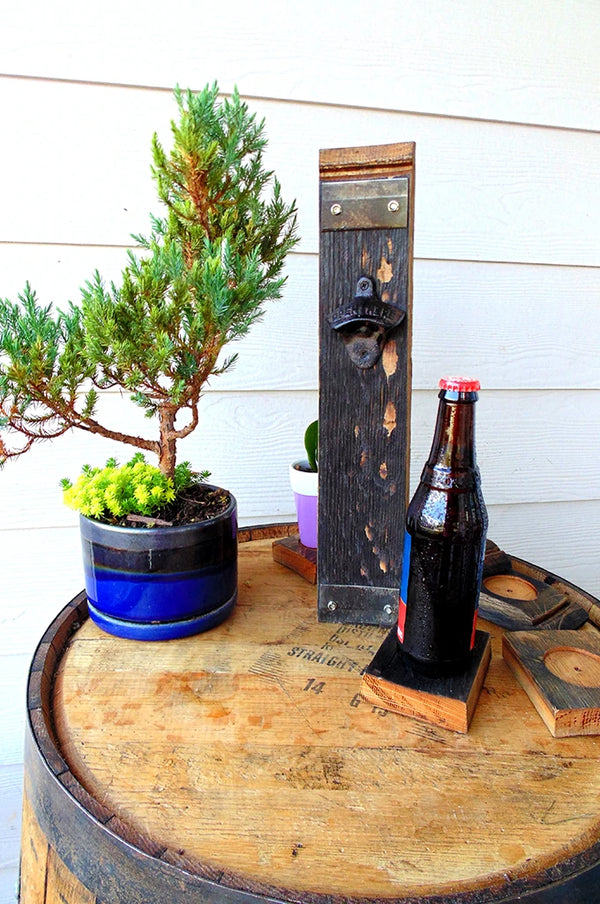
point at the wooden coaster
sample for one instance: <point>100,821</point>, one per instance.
<point>515,601</point>
<point>560,673</point>
<point>391,682</point>
<point>303,560</point>
<point>518,596</point>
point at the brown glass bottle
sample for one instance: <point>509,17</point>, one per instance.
<point>446,525</point>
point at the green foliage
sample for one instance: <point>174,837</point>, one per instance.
<point>311,444</point>
<point>137,487</point>
<point>42,369</point>
<point>203,275</point>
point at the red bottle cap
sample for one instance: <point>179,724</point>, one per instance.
<point>459,384</point>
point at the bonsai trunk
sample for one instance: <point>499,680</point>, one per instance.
<point>168,442</point>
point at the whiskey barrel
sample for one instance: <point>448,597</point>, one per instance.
<point>242,766</point>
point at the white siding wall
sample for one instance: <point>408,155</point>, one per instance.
<point>502,101</point>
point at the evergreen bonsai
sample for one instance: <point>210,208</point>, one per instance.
<point>201,280</point>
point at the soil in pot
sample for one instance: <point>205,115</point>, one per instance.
<point>197,503</point>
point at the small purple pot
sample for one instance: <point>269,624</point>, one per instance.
<point>305,486</point>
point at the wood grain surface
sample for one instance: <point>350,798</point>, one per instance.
<point>249,750</point>
<point>560,671</point>
<point>446,701</point>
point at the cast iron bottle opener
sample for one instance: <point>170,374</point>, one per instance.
<point>364,323</point>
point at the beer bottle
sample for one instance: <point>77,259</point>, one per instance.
<point>446,525</point>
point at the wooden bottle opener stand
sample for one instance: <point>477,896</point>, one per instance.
<point>365,330</point>
<point>366,252</point>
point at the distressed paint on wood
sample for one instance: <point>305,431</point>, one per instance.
<point>364,412</point>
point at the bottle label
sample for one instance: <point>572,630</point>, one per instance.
<point>474,631</point>
<point>479,579</point>
<point>404,586</point>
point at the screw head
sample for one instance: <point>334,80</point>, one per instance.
<point>387,609</point>
<point>332,605</point>
<point>336,209</point>
<point>394,206</point>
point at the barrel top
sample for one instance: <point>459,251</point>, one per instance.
<point>248,752</point>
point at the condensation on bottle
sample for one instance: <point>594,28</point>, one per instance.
<point>444,547</point>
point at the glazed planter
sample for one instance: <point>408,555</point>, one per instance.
<point>305,486</point>
<point>163,582</point>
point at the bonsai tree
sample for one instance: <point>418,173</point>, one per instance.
<point>204,273</point>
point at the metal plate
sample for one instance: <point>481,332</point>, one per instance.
<point>365,204</point>
<point>357,605</point>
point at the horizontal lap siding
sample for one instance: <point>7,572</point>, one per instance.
<point>534,446</point>
<point>518,61</point>
<point>504,112</point>
<point>485,191</point>
<point>518,326</point>
<point>561,536</point>
<point>10,817</point>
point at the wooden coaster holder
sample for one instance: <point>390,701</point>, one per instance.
<point>391,682</point>
<point>519,596</point>
<point>560,673</point>
<point>290,552</point>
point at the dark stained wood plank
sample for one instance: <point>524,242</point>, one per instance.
<point>526,596</point>
<point>364,411</point>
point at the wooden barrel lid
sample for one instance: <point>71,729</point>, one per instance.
<point>242,765</point>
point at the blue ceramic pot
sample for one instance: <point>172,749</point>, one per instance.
<point>163,582</point>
